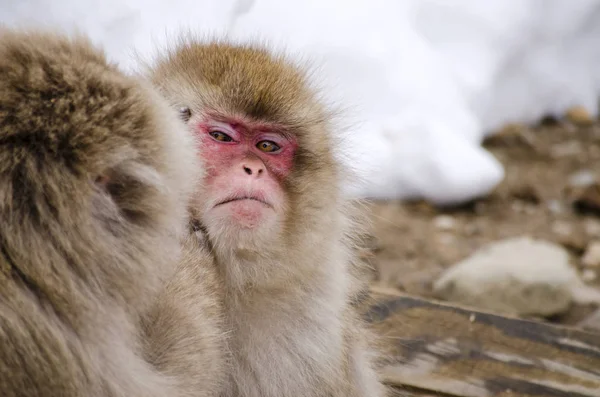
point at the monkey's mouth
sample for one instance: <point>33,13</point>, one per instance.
<point>242,198</point>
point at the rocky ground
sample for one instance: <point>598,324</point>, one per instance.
<point>551,193</point>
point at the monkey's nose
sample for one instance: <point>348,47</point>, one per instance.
<point>255,168</point>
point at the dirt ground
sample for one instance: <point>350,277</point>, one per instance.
<point>549,192</point>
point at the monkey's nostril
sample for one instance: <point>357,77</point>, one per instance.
<point>248,170</point>
<point>260,170</point>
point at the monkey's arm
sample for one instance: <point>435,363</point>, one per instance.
<point>183,330</point>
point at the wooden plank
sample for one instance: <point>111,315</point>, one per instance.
<point>432,347</point>
<point>404,391</point>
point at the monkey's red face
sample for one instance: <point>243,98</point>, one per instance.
<point>246,164</point>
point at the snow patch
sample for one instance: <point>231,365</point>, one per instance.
<point>422,82</point>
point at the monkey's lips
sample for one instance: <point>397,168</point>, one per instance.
<point>242,198</point>
<point>247,211</point>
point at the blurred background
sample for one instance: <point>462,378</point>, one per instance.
<point>472,126</point>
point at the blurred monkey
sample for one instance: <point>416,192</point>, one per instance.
<point>96,172</point>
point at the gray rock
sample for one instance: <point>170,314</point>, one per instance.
<point>519,276</point>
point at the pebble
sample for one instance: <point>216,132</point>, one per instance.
<point>519,276</point>
<point>579,115</point>
<point>518,206</point>
<point>555,206</point>
<point>522,207</point>
<point>582,178</point>
<point>591,257</point>
<point>444,222</point>
<point>562,228</point>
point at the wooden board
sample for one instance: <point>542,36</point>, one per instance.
<point>436,349</point>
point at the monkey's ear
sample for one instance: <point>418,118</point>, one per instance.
<point>109,182</point>
<point>102,181</point>
<point>105,184</point>
<point>135,190</point>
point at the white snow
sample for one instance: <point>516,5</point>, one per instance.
<point>421,81</point>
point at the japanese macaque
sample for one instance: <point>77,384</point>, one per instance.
<point>271,207</point>
<point>95,180</point>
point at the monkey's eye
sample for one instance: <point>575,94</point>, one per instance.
<point>185,113</point>
<point>267,146</point>
<point>220,136</point>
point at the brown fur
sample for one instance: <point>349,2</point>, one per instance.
<point>93,205</point>
<point>183,331</point>
<point>289,297</point>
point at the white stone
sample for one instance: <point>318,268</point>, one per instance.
<point>582,178</point>
<point>591,258</point>
<point>444,222</point>
<point>562,228</point>
<point>555,206</point>
<point>519,276</point>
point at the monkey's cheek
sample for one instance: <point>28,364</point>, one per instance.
<point>246,214</point>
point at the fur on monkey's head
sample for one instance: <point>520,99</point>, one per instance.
<point>91,169</point>
<point>251,83</point>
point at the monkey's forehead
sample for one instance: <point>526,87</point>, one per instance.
<point>240,79</point>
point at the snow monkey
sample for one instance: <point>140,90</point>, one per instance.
<point>95,182</point>
<point>271,207</point>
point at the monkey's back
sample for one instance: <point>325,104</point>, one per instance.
<point>87,191</point>
<point>39,103</point>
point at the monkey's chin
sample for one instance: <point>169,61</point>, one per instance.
<point>245,213</point>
